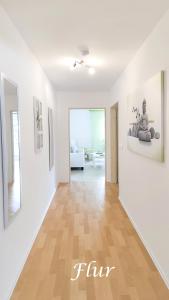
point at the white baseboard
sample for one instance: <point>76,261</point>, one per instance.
<point>30,247</point>
<point>148,248</point>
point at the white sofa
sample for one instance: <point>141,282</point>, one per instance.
<point>77,160</point>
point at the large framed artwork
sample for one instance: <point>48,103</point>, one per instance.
<point>38,125</point>
<point>51,141</point>
<point>145,119</point>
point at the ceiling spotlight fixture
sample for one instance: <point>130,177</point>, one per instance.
<point>77,63</point>
<point>81,62</point>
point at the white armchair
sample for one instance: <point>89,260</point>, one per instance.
<point>77,160</point>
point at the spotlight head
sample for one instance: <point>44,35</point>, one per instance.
<point>92,71</point>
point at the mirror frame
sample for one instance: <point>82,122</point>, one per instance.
<point>3,145</point>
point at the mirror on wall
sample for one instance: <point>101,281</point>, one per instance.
<point>10,142</point>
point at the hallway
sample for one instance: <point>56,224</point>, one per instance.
<point>86,222</point>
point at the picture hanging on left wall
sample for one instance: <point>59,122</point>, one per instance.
<point>51,141</point>
<point>38,125</point>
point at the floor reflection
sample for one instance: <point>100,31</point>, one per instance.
<point>14,192</point>
<point>91,172</point>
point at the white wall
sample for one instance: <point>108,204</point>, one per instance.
<point>67,100</point>
<point>80,127</point>
<point>144,183</point>
<point>38,184</point>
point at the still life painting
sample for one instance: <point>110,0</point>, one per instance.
<point>145,119</point>
<point>38,125</point>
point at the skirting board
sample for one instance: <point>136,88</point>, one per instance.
<point>31,244</point>
<point>150,252</point>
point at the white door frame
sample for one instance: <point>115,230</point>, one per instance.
<point>105,118</point>
<point>114,143</point>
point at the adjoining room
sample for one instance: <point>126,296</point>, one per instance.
<point>87,144</point>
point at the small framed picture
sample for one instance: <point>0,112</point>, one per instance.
<point>38,125</point>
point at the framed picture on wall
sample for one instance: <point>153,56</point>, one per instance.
<point>145,119</point>
<point>38,125</point>
<point>51,139</point>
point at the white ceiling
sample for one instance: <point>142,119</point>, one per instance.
<point>113,31</point>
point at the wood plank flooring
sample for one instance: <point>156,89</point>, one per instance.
<point>86,222</point>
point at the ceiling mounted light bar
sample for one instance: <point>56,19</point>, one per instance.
<point>80,62</point>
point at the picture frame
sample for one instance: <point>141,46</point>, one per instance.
<point>145,134</point>
<point>38,124</point>
<point>51,138</point>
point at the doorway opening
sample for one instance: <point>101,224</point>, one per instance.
<point>114,144</point>
<point>87,144</point>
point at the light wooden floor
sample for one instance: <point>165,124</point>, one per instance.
<point>86,222</point>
